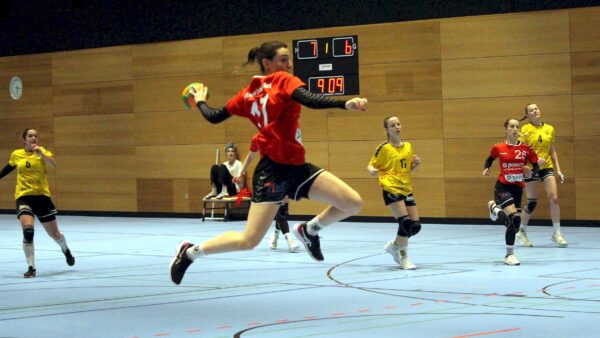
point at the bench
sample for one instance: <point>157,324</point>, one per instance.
<point>225,207</point>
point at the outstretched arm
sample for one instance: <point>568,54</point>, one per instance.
<point>212,115</point>
<point>318,101</point>
<point>6,170</point>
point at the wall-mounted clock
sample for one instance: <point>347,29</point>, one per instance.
<point>15,87</point>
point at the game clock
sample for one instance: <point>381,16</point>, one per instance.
<point>328,66</point>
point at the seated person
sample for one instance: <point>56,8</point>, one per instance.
<point>221,175</point>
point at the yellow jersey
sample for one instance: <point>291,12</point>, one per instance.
<point>32,176</point>
<point>394,165</point>
<point>540,139</point>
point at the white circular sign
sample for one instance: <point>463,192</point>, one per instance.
<point>16,87</point>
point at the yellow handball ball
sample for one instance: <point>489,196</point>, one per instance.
<point>188,99</point>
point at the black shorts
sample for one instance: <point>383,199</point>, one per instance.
<point>507,194</point>
<point>272,181</point>
<point>36,205</point>
<point>390,198</point>
<point>540,175</point>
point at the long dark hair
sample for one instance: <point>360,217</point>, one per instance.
<point>267,50</point>
<point>24,135</point>
<point>524,117</point>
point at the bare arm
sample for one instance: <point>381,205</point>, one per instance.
<point>239,179</point>
<point>554,158</point>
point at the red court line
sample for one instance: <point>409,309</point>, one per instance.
<point>162,334</point>
<point>193,330</point>
<point>488,332</point>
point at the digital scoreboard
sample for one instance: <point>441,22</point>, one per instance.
<point>328,66</point>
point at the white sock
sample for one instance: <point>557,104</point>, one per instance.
<point>62,242</point>
<point>556,226</point>
<point>195,252</point>
<point>314,226</point>
<point>29,254</point>
<point>510,250</point>
<point>523,227</point>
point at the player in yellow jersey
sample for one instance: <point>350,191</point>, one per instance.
<point>393,162</point>
<point>540,136</point>
<point>32,195</point>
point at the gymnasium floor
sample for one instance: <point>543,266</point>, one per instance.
<point>120,287</point>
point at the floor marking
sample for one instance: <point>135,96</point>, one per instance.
<point>488,332</point>
<point>193,330</point>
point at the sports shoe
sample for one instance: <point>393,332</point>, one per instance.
<point>391,248</point>
<point>406,264</point>
<point>30,273</point>
<point>491,206</point>
<point>69,257</point>
<point>273,240</point>
<point>180,262</point>
<point>511,260</point>
<point>558,238</point>
<point>522,237</point>
<point>292,245</point>
<point>210,195</point>
<point>310,242</point>
<point>222,195</point>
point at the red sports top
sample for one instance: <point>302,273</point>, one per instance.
<point>267,102</point>
<point>512,160</point>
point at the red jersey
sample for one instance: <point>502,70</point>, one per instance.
<point>512,161</point>
<point>267,102</point>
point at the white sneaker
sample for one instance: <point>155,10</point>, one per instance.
<point>273,240</point>
<point>511,260</point>
<point>491,206</point>
<point>558,238</point>
<point>406,264</point>
<point>292,244</point>
<point>392,249</point>
<point>210,195</point>
<point>222,195</point>
<point>522,237</point>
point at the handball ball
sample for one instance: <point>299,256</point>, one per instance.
<point>188,99</point>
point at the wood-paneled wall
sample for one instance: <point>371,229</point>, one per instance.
<point>124,141</point>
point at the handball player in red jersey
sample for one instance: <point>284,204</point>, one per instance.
<point>272,102</point>
<point>513,156</point>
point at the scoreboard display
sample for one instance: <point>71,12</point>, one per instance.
<point>328,66</point>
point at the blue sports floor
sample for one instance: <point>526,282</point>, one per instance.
<point>120,286</point>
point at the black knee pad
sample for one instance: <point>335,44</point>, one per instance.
<point>514,221</point>
<point>415,227</point>
<point>282,212</point>
<point>530,206</point>
<point>28,235</point>
<point>404,226</point>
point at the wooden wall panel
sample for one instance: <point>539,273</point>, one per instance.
<point>419,119</point>
<point>566,199</point>
<point>314,124</point>
<point>504,35</point>
<point>399,42</point>
<point>36,102</point>
<point>11,135</point>
<point>349,159</point>
<point>507,76</point>
<point>96,162</point>
<point>175,161</point>
<point>178,58</point>
<point>468,196</point>
<point>35,70</point>
<point>317,153</point>
<point>92,65</point>
<point>155,195</point>
<point>94,130</point>
<point>586,72</point>
<point>115,97</point>
<point>585,35</point>
<point>586,110</point>
<point>430,194</point>
<point>198,188</point>
<point>95,194</point>
<point>401,81</point>
<point>587,161</point>
<point>484,117</point>
<point>464,158</point>
<point>177,127</point>
<point>586,190</point>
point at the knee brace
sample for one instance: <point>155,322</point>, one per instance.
<point>28,235</point>
<point>514,222</point>
<point>530,206</point>
<point>415,227</point>
<point>404,226</point>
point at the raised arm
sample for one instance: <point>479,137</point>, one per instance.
<point>212,115</point>
<point>318,101</point>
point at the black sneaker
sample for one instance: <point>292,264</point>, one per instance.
<point>180,262</point>
<point>30,273</point>
<point>311,243</point>
<point>69,257</point>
